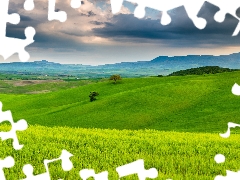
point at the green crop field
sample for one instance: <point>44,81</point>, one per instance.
<point>175,155</point>
<point>173,123</point>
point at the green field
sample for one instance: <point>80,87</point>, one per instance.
<point>173,123</point>
<point>186,104</point>
<point>175,155</point>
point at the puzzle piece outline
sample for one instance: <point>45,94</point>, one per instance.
<point>66,163</point>
<point>20,125</point>
<point>87,173</point>
<point>7,162</point>
<point>192,8</point>
<point>52,14</point>
<point>230,175</point>
<point>137,167</point>
<point>10,46</point>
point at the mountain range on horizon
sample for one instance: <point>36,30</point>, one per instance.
<point>163,65</point>
<point>225,60</point>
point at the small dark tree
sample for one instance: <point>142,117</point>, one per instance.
<point>93,95</point>
<point>115,77</point>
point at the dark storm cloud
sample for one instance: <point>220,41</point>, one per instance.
<point>181,28</point>
<point>225,28</point>
<point>17,31</point>
<point>238,12</point>
<point>88,14</point>
<point>58,44</point>
<point>97,22</point>
<point>181,32</point>
<point>26,18</point>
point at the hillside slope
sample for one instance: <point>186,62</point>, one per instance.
<point>190,103</point>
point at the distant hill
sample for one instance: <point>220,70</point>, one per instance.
<point>163,65</point>
<point>202,70</point>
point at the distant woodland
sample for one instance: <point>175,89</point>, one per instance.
<point>202,70</point>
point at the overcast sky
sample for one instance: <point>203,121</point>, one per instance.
<point>93,35</point>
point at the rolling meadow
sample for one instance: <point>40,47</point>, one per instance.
<point>173,123</point>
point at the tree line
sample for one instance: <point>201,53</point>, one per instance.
<point>202,70</point>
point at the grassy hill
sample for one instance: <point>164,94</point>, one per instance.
<point>190,104</point>
<point>146,107</point>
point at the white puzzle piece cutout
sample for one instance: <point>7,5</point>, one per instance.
<point>87,173</point>
<point>230,125</point>
<point>66,166</point>
<point>230,175</point>
<point>137,167</point>
<point>236,89</point>
<point>21,125</point>
<point>76,3</point>
<point>60,15</point>
<point>8,162</point>
<point>9,46</point>
<point>192,8</point>
<point>53,15</point>
<point>29,5</point>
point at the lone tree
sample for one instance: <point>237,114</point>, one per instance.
<point>93,95</point>
<point>115,77</point>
